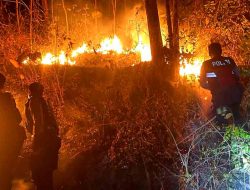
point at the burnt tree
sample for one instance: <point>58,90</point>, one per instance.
<point>154,31</point>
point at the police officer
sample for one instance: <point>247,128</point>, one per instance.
<point>42,124</point>
<point>221,76</point>
<point>11,135</point>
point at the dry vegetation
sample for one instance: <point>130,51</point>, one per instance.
<point>123,128</point>
<point>118,126</point>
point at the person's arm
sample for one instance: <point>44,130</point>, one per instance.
<point>37,113</point>
<point>203,79</point>
<point>12,105</point>
<point>29,119</point>
<point>236,70</point>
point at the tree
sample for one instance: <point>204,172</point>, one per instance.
<point>154,31</point>
<point>224,21</point>
<point>17,15</point>
<point>173,34</point>
<point>169,24</point>
<point>45,6</point>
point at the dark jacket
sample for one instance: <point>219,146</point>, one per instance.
<point>12,134</point>
<point>41,122</point>
<point>221,76</point>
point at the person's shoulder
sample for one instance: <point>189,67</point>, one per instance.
<point>6,96</point>
<point>227,58</point>
<point>207,62</point>
<point>231,59</point>
<point>34,99</point>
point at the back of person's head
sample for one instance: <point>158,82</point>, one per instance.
<point>215,49</point>
<point>2,80</point>
<point>36,89</point>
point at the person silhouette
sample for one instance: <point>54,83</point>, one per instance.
<point>12,135</point>
<point>221,76</point>
<point>46,143</point>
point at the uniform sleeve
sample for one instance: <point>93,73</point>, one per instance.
<point>236,70</point>
<point>29,119</point>
<point>36,113</point>
<point>203,79</point>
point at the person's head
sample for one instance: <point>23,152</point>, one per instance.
<point>214,50</point>
<point>2,81</point>
<point>36,89</point>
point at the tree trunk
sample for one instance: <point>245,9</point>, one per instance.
<point>176,26</point>
<point>169,23</point>
<point>1,6</point>
<point>96,19</point>
<point>176,45</point>
<point>154,31</point>
<point>31,24</point>
<point>45,8</point>
<point>17,15</point>
<point>114,5</point>
<point>66,18</point>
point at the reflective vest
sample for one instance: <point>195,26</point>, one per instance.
<point>219,72</point>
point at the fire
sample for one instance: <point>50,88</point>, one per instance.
<point>62,59</point>
<point>80,50</point>
<point>114,44</point>
<point>190,68</point>
<point>111,44</point>
<point>48,59</point>
<point>107,45</point>
<point>144,50</point>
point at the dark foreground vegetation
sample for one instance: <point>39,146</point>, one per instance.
<point>125,129</point>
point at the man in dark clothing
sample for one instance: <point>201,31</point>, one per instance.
<point>11,136</point>
<point>221,76</point>
<point>42,124</point>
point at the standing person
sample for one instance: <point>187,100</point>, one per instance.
<point>42,124</point>
<point>221,76</point>
<point>12,135</point>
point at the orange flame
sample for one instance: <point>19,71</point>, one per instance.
<point>190,67</point>
<point>111,44</point>
<point>114,44</point>
<point>81,50</point>
<point>106,46</point>
<point>144,50</point>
